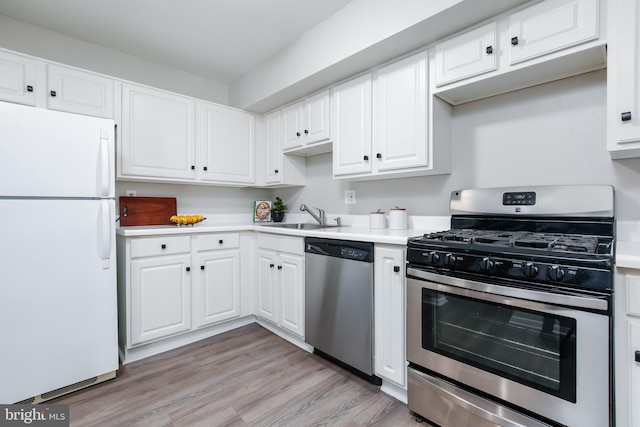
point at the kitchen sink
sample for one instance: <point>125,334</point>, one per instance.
<point>301,226</point>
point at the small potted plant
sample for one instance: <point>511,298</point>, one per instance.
<point>277,210</point>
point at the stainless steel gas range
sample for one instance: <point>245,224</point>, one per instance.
<point>509,313</point>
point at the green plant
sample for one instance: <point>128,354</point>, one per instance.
<point>278,205</point>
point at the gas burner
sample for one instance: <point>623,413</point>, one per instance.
<point>520,239</point>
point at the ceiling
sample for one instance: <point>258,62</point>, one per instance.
<point>216,39</point>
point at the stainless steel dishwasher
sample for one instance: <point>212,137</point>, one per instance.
<point>339,302</point>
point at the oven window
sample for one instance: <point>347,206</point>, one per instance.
<point>532,348</point>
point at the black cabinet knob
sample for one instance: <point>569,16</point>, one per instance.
<point>271,265</point>
<point>276,171</point>
<point>626,116</point>
<point>279,267</point>
<point>396,269</point>
<point>297,133</point>
<point>514,40</point>
<point>163,246</point>
<point>192,167</point>
<point>306,132</point>
<point>53,93</point>
<point>489,50</point>
<point>29,88</point>
<point>221,241</point>
<point>379,156</point>
<point>204,168</point>
<point>637,356</point>
<point>366,157</point>
<point>202,267</point>
<point>188,268</point>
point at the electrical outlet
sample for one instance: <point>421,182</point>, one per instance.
<point>130,193</point>
<point>350,197</point>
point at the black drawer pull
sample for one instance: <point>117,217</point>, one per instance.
<point>637,356</point>
<point>489,50</point>
<point>29,88</point>
<point>53,93</point>
<point>514,40</point>
<point>396,269</point>
<point>163,246</point>
<point>626,116</point>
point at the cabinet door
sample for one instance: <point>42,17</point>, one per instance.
<point>273,155</point>
<point>18,79</point>
<point>316,118</point>
<point>550,26</point>
<point>217,287</point>
<point>160,297</point>
<point>291,271</point>
<point>266,281</point>
<point>623,79</point>
<point>389,315</point>
<point>227,142</point>
<point>292,126</point>
<point>79,92</point>
<point>351,126</point>
<point>400,114</point>
<point>469,54</point>
<point>158,135</point>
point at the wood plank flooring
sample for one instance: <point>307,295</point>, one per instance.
<point>245,377</point>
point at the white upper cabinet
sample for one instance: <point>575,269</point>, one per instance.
<point>351,127</point>
<point>549,26</point>
<point>28,81</point>
<point>18,78</point>
<point>545,41</point>
<point>158,135</point>
<point>400,112</point>
<point>306,125</point>
<point>390,126</point>
<point>226,141</point>
<point>469,54</point>
<point>623,79</point>
<point>79,92</point>
<point>277,168</point>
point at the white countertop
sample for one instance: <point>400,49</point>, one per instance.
<point>355,228</point>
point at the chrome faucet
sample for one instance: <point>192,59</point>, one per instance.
<point>320,217</point>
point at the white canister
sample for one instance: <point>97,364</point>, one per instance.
<point>377,219</point>
<point>397,218</point>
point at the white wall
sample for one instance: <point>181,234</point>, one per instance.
<point>42,43</point>
<point>549,134</point>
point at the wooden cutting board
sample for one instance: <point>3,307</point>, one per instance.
<point>147,210</point>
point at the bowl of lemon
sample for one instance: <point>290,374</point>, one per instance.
<point>186,219</point>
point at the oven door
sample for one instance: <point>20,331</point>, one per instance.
<point>516,345</point>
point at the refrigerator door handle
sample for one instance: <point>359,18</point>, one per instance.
<point>106,214</point>
<point>104,163</point>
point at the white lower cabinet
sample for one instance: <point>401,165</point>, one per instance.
<point>171,285</point>
<point>389,314</point>
<point>280,282</point>
<point>627,347</point>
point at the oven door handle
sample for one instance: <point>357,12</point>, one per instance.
<point>496,293</point>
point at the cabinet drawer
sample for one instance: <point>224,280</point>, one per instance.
<point>279,243</point>
<point>155,246</point>
<point>211,242</point>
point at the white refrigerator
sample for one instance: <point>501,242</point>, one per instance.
<point>58,304</point>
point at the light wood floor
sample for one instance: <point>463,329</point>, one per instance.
<point>246,377</point>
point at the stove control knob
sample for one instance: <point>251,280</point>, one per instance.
<point>555,273</point>
<point>530,270</point>
<point>449,260</point>
<point>433,258</point>
<point>487,264</point>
